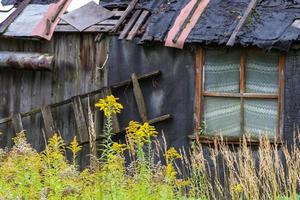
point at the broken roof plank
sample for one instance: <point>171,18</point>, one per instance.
<point>13,16</point>
<point>248,11</point>
<point>185,22</point>
<point>138,25</point>
<point>130,24</point>
<point>125,14</point>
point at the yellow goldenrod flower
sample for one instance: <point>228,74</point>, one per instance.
<point>172,154</point>
<point>118,148</point>
<point>237,188</point>
<point>74,146</point>
<point>140,134</point>
<point>170,172</point>
<point>109,105</point>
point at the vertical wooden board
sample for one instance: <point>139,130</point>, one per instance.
<point>139,98</point>
<point>82,129</point>
<point>242,88</point>
<point>17,123</point>
<point>199,62</point>
<point>50,128</point>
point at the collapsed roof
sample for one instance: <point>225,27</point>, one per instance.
<point>263,23</point>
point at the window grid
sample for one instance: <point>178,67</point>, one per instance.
<point>200,93</point>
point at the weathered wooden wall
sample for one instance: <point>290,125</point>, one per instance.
<point>76,70</point>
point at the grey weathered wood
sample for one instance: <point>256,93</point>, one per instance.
<point>130,24</point>
<point>94,28</point>
<point>138,25</point>
<point>139,98</point>
<point>17,123</point>
<point>114,86</point>
<point>50,128</point>
<point>250,7</point>
<point>82,129</point>
<point>125,14</point>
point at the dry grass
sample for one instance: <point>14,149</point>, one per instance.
<point>224,171</point>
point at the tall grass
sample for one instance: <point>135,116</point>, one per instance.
<point>219,171</point>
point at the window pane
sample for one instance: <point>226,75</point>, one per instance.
<point>261,72</point>
<point>260,117</point>
<point>221,71</point>
<point>222,116</point>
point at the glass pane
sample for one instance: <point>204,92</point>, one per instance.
<point>222,71</point>
<point>261,72</point>
<point>260,117</point>
<point>222,116</point>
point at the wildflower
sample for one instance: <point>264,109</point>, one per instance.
<point>170,172</point>
<point>74,146</point>
<point>118,148</point>
<point>182,183</point>
<point>172,154</point>
<point>109,105</point>
<point>237,188</point>
<point>140,134</point>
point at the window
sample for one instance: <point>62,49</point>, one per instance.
<point>239,92</point>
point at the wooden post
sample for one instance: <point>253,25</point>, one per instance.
<point>50,128</point>
<point>198,88</point>
<point>139,98</point>
<point>82,129</point>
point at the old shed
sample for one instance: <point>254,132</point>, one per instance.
<point>195,69</point>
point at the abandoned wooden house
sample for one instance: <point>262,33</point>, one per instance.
<point>195,69</point>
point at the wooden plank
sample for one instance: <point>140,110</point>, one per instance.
<point>125,14</point>
<point>138,25</point>
<point>92,29</point>
<point>82,129</point>
<point>281,66</point>
<point>245,95</point>
<point>116,124</point>
<point>50,128</point>
<point>198,105</point>
<point>248,11</point>
<point>17,123</point>
<point>139,98</point>
<point>232,140</point>
<point>111,22</point>
<point>14,15</point>
<point>130,24</point>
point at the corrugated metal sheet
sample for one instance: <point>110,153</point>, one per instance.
<point>26,22</point>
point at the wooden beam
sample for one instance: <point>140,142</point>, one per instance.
<point>17,123</point>
<point>50,128</point>
<point>151,122</point>
<point>245,95</point>
<point>130,24</point>
<point>198,89</point>
<point>125,14</point>
<point>26,61</point>
<point>248,11</point>
<point>138,25</point>
<point>82,129</point>
<point>139,98</point>
<point>14,15</point>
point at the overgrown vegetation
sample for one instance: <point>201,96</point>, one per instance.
<point>218,172</point>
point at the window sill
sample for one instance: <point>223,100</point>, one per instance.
<point>231,140</point>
